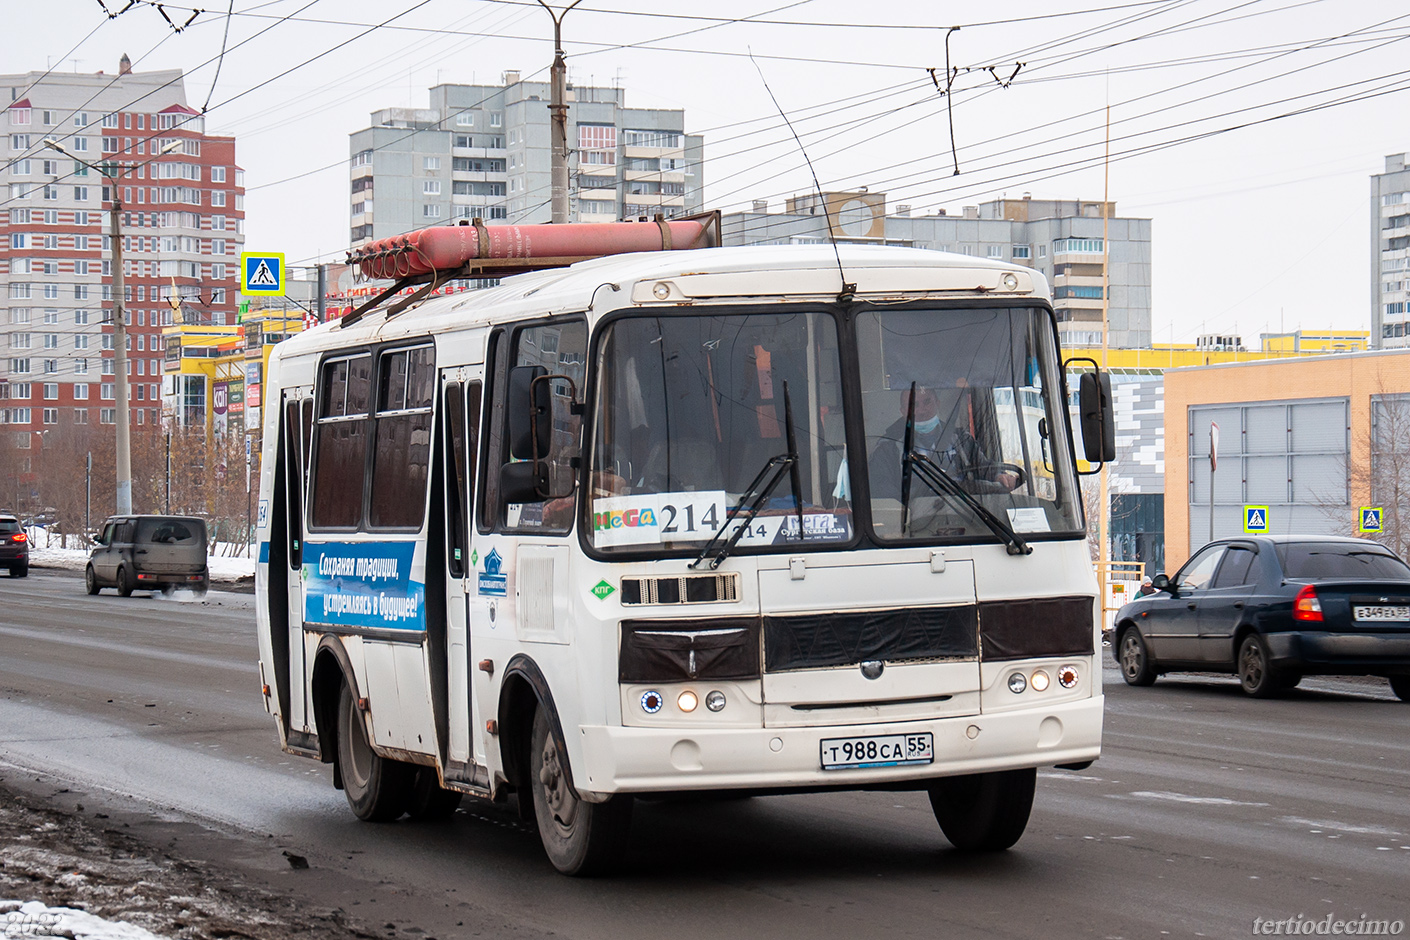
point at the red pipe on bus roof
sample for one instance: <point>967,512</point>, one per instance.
<point>450,247</point>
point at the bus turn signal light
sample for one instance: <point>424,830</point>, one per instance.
<point>1306,606</point>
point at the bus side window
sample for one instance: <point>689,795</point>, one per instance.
<point>462,422</point>
<point>401,461</point>
<point>488,512</point>
<point>294,483</point>
<point>561,348</point>
<point>340,461</point>
<point>453,447</point>
<point>307,425</point>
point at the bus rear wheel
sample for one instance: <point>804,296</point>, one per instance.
<point>580,838</point>
<point>984,812</point>
<point>377,788</point>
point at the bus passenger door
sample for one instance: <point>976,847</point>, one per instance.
<point>461,434</point>
<point>296,426</point>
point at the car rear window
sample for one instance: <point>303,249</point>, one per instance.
<point>171,531</point>
<point>1310,561</point>
<point>8,528</point>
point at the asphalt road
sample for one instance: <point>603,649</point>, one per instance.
<point>1207,810</point>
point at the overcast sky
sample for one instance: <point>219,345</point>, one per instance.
<point>1261,215</point>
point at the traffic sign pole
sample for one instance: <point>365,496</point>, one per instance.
<point>1213,465</point>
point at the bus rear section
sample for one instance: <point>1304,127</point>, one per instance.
<point>680,533</point>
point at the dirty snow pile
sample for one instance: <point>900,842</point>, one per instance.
<point>35,919</point>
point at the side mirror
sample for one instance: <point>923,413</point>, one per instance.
<point>1097,417</point>
<point>1161,583</point>
<point>524,482</point>
<point>530,406</point>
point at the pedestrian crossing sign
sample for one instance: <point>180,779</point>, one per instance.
<point>1255,519</point>
<point>262,273</point>
<point>1371,519</point>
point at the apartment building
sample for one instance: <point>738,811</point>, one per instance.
<point>182,225</point>
<point>1062,238</point>
<point>1390,254</point>
<point>484,151</point>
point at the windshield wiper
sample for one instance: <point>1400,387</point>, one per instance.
<point>942,484</point>
<point>758,493</point>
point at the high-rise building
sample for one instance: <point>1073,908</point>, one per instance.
<point>1062,238</point>
<point>484,151</point>
<point>182,224</point>
<point>1390,254</point>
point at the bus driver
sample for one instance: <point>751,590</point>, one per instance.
<point>946,442</point>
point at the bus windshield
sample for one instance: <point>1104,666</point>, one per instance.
<point>980,391</point>
<point>693,408</point>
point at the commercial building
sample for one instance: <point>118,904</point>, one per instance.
<point>1310,440</point>
<point>1137,479</point>
<point>182,223</point>
<point>214,374</point>
<point>1390,253</point>
<point>1061,238</point>
<point>484,151</point>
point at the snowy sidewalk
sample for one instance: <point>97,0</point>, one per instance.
<point>222,568</point>
<point>34,919</point>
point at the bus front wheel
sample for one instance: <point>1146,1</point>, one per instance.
<point>984,812</point>
<point>580,838</point>
<point>377,788</point>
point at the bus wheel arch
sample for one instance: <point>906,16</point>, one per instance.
<point>332,669</point>
<point>523,692</point>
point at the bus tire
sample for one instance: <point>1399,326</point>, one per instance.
<point>377,788</point>
<point>430,802</point>
<point>984,812</point>
<point>580,838</point>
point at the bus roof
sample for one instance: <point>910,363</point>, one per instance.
<point>704,276</point>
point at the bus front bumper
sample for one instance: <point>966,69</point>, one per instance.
<point>650,760</point>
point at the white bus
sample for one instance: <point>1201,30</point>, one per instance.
<point>685,522</point>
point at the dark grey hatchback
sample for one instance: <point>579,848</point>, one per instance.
<point>1272,609</point>
<point>149,553</point>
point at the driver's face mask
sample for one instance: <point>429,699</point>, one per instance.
<point>928,426</point>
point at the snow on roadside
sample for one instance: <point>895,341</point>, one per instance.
<point>35,919</point>
<point>74,559</point>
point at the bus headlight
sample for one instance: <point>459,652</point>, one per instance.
<point>1039,681</point>
<point>651,702</point>
<point>1067,676</point>
<point>1017,683</point>
<point>715,701</point>
<point>687,701</point>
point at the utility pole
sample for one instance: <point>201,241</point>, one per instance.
<point>1104,516</point>
<point>558,111</point>
<point>124,432</point>
<point>321,305</point>
<point>113,172</point>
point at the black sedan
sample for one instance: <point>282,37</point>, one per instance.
<point>1272,609</point>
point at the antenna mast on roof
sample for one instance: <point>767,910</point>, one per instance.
<point>848,289</point>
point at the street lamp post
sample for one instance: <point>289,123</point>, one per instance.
<point>113,172</point>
